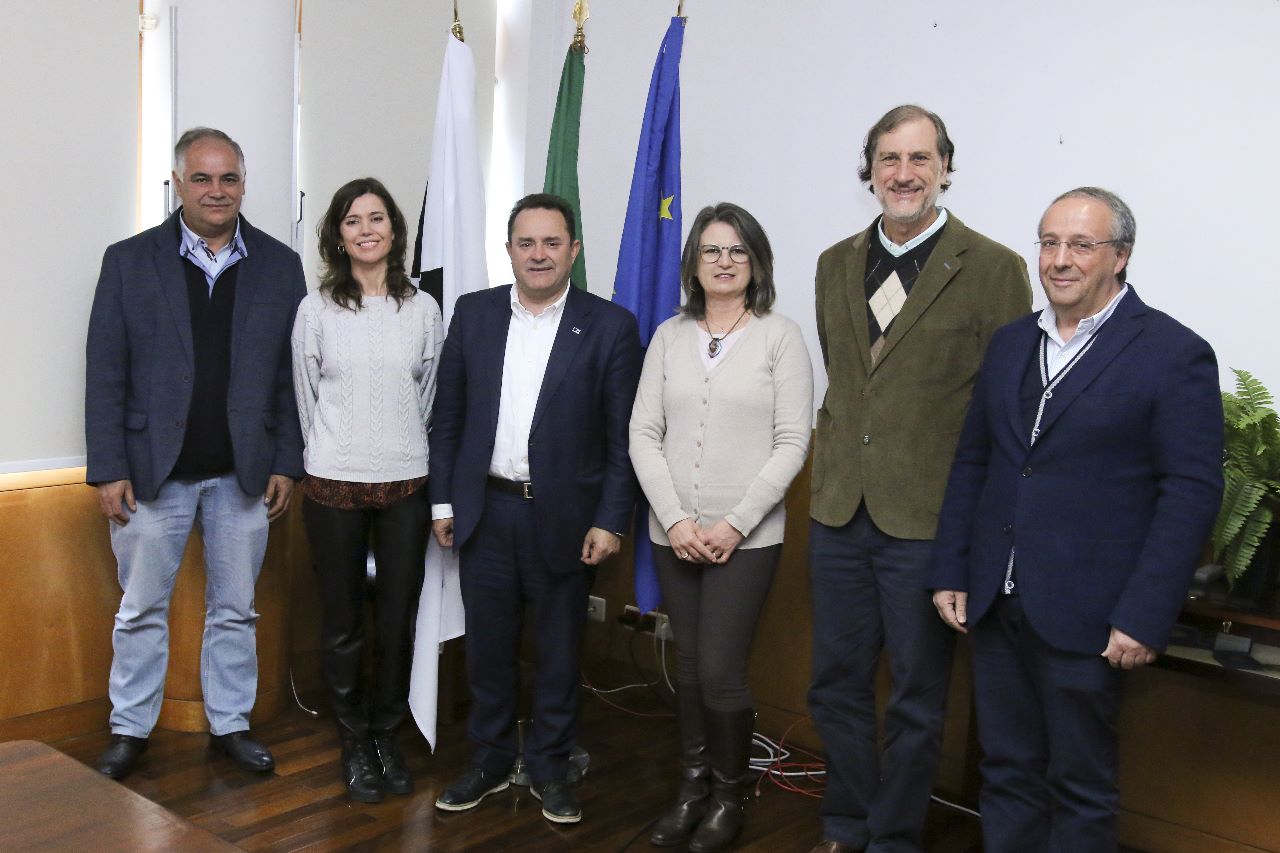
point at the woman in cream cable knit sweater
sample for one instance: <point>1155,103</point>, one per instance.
<point>720,427</point>
<point>365,349</point>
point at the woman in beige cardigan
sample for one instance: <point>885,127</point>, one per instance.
<point>720,427</point>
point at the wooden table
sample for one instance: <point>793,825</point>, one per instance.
<point>49,801</point>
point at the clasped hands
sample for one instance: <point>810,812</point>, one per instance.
<point>694,544</point>
<point>1122,651</point>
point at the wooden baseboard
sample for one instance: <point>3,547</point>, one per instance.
<point>1142,832</point>
<point>187,715</point>
<point>58,723</point>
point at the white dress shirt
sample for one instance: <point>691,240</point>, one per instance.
<point>529,340</point>
<point>1057,351</point>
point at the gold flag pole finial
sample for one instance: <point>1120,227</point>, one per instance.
<point>580,15</point>
<point>457,23</point>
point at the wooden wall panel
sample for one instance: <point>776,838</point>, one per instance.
<point>58,598</point>
<point>1202,755</point>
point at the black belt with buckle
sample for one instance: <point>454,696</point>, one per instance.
<point>512,487</point>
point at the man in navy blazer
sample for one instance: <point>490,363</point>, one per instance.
<point>530,478</point>
<point>1085,484</point>
<point>190,419</point>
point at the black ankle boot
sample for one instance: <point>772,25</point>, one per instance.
<point>679,821</point>
<point>361,770</point>
<point>729,742</point>
<point>395,772</point>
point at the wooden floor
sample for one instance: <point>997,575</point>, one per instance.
<point>303,806</point>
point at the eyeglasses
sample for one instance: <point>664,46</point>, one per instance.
<point>711,254</point>
<point>1079,248</point>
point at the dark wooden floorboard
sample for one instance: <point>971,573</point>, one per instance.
<point>302,806</point>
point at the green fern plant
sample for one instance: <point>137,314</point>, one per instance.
<point>1251,471</point>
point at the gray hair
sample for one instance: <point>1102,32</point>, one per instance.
<point>1124,228</point>
<point>194,135</point>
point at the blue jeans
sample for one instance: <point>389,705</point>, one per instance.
<point>869,594</point>
<point>148,552</point>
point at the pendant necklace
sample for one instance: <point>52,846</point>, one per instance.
<point>713,345</point>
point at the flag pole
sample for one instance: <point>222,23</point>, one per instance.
<point>580,15</point>
<point>457,23</point>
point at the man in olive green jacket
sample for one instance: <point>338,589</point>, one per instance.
<point>904,310</point>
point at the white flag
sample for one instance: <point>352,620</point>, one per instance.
<point>452,253</point>
<point>451,241</point>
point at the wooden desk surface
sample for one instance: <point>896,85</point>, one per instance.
<point>49,801</point>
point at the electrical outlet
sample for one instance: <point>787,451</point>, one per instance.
<point>658,624</point>
<point>595,608</point>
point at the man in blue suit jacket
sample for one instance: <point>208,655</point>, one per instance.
<point>530,477</point>
<point>1087,478</point>
<point>190,419</point>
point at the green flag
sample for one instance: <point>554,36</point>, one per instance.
<point>562,152</point>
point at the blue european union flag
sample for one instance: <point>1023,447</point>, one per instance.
<point>648,280</point>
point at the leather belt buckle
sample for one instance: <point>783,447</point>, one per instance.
<point>518,488</point>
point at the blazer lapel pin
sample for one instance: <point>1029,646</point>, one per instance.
<point>576,330</point>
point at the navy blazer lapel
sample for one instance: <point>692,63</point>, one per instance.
<point>1012,369</point>
<point>494,328</point>
<point>1113,336</point>
<point>173,281</point>
<point>569,336</point>
<point>248,277</point>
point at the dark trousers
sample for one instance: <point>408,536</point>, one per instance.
<point>869,594</point>
<point>714,610</point>
<point>339,549</point>
<point>1047,724</point>
<point>502,568</point>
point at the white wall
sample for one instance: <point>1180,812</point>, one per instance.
<point>235,73</point>
<point>1170,103</point>
<point>68,92</point>
<point>369,86</point>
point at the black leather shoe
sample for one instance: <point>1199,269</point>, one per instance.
<point>395,772</point>
<point>244,751</point>
<point>559,802</point>
<point>117,760</point>
<point>360,770</point>
<point>470,788</point>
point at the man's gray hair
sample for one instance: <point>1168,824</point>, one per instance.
<point>1124,228</point>
<point>194,135</point>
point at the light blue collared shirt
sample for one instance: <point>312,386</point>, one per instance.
<point>212,263</point>
<point>898,251</point>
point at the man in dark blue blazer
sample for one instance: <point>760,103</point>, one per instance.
<point>530,477</point>
<point>190,419</point>
<point>1087,478</point>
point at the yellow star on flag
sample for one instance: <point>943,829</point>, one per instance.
<point>664,211</point>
